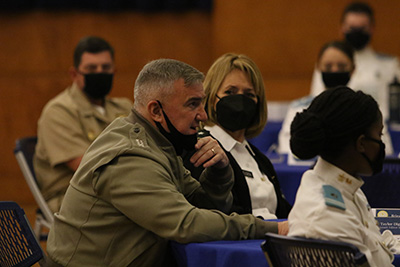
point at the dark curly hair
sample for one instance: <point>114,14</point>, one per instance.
<point>335,118</point>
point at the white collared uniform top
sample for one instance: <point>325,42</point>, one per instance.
<point>100,109</point>
<point>262,191</point>
<point>284,134</point>
<point>330,205</point>
<point>372,75</point>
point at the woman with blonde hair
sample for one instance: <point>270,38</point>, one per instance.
<point>237,109</point>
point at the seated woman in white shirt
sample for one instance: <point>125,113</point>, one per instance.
<point>237,109</point>
<point>344,128</point>
<point>335,64</point>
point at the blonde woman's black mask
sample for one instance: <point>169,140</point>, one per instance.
<point>236,112</point>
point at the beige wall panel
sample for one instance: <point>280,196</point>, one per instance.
<point>284,36</point>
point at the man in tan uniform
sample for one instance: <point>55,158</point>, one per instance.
<point>72,120</point>
<point>131,193</point>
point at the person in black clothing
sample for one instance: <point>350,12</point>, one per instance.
<point>237,109</point>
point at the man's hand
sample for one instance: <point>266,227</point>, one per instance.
<point>283,228</point>
<point>209,153</point>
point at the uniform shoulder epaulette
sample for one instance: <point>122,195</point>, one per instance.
<point>303,102</point>
<point>138,136</point>
<point>333,197</point>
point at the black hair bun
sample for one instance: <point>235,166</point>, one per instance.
<point>307,135</point>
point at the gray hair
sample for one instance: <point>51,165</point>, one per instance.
<point>156,79</point>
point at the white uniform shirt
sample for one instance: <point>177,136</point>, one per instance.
<point>100,109</point>
<point>262,191</point>
<point>348,219</point>
<point>284,133</point>
<point>372,75</point>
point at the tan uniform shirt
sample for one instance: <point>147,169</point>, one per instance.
<point>330,205</point>
<point>67,126</point>
<point>131,194</point>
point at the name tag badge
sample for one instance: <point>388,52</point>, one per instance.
<point>247,174</point>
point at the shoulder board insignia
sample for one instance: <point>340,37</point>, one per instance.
<point>137,135</point>
<point>303,102</point>
<point>333,197</point>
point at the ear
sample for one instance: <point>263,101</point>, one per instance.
<point>360,143</point>
<point>154,110</point>
<point>72,73</point>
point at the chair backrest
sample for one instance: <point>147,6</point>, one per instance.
<point>285,251</point>
<point>18,245</point>
<point>24,151</point>
<point>268,137</point>
<point>382,190</point>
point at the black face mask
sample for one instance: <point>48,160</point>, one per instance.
<point>334,79</point>
<point>179,141</point>
<point>357,38</point>
<point>236,112</point>
<point>377,164</point>
<point>98,85</point>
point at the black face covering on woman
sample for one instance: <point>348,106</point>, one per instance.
<point>334,79</point>
<point>377,164</point>
<point>236,112</point>
<point>179,141</point>
<point>98,85</point>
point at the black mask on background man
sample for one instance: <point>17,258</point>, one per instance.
<point>357,38</point>
<point>334,79</point>
<point>377,163</point>
<point>236,112</point>
<point>179,141</point>
<point>98,85</point>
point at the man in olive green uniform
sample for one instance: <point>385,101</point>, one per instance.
<point>131,193</point>
<point>72,120</point>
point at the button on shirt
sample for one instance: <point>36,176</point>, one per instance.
<point>262,192</point>
<point>342,216</point>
